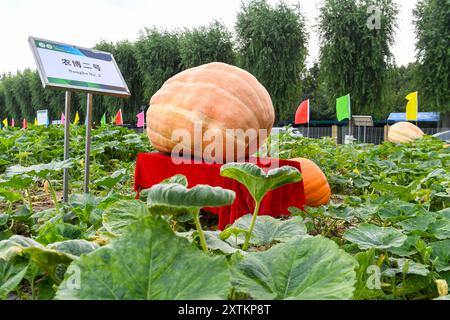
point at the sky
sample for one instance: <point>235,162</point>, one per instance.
<point>86,22</point>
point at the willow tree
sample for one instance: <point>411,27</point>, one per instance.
<point>206,44</point>
<point>272,46</point>
<point>355,54</point>
<point>158,59</point>
<point>432,22</point>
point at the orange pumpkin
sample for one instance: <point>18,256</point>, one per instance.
<point>404,132</point>
<point>217,96</point>
<point>315,183</point>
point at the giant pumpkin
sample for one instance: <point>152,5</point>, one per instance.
<point>404,132</point>
<point>213,97</point>
<point>315,183</point>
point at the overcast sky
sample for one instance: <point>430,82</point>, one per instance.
<point>86,22</point>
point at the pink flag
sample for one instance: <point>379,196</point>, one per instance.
<point>140,121</point>
<point>12,122</point>
<point>63,118</point>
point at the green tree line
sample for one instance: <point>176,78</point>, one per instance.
<point>271,42</point>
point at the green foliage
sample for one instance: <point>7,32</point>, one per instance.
<point>354,58</point>
<point>432,28</point>
<point>272,46</point>
<point>206,44</point>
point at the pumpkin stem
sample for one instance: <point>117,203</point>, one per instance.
<point>200,231</point>
<point>250,230</point>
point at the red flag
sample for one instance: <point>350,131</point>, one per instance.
<point>302,113</point>
<point>119,120</point>
<point>24,124</point>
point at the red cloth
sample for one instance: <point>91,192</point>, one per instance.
<point>152,168</point>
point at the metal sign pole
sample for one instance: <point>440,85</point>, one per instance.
<point>66,144</point>
<point>87,151</point>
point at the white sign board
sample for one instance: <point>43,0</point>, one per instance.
<point>80,69</point>
<point>42,117</point>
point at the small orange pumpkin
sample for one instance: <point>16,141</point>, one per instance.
<point>315,183</point>
<point>404,132</point>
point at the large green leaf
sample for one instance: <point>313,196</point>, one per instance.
<point>147,262</point>
<point>40,170</point>
<point>419,223</point>
<point>441,251</point>
<point>268,230</point>
<point>441,229</point>
<point>309,268</point>
<point>368,236</point>
<point>112,180</point>
<point>46,257</point>
<point>174,198</point>
<point>121,214</point>
<point>11,274</point>
<point>257,182</point>
<point>408,248</point>
<point>406,266</point>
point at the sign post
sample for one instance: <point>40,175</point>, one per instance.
<point>66,144</point>
<point>363,121</point>
<point>77,69</point>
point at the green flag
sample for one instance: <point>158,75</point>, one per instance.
<point>343,107</point>
<point>103,120</point>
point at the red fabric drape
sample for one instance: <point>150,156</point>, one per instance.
<point>152,168</point>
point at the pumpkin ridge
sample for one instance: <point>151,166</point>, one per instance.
<point>234,97</point>
<point>250,86</point>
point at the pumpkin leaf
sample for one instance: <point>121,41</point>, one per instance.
<point>147,262</point>
<point>257,182</point>
<point>112,180</point>
<point>419,223</point>
<point>408,248</point>
<point>268,230</point>
<point>368,236</point>
<point>11,274</point>
<point>122,213</point>
<point>441,229</point>
<point>39,170</point>
<point>174,198</point>
<point>406,266</point>
<point>309,268</point>
<point>441,253</point>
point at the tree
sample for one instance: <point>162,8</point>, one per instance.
<point>432,24</point>
<point>355,55</point>
<point>312,89</point>
<point>158,59</point>
<point>206,44</point>
<point>272,46</point>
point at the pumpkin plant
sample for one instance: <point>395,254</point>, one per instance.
<point>173,197</point>
<point>259,183</point>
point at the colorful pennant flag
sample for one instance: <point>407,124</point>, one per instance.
<point>140,121</point>
<point>12,122</point>
<point>63,118</point>
<point>119,119</point>
<point>5,122</point>
<point>343,107</point>
<point>77,118</point>
<point>35,122</point>
<point>302,113</point>
<point>103,120</point>
<point>24,124</point>
<point>412,106</point>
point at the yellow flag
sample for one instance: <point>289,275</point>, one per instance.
<point>35,122</point>
<point>412,106</point>
<point>5,122</point>
<point>77,118</point>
